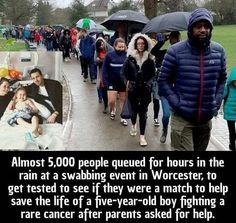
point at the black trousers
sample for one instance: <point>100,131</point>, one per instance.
<point>156,107</point>
<point>232,134</point>
<point>140,109</point>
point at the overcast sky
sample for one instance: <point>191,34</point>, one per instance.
<point>66,3</point>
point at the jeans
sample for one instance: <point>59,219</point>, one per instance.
<point>166,112</point>
<point>49,45</point>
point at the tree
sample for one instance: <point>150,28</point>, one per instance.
<point>150,7</point>
<point>125,5</point>
<point>2,5</point>
<point>77,11</point>
<point>44,13</point>
<point>61,16</point>
<point>224,11</point>
<point>158,7</point>
<point>19,11</point>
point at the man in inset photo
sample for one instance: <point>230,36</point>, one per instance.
<point>47,92</point>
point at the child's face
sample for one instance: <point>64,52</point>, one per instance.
<point>21,95</point>
<point>120,46</point>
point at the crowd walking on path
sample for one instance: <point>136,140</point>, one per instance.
<point>187,79</point>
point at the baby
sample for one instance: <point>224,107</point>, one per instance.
<point>25,112</point>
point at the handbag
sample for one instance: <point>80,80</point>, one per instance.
<point>127,111</point>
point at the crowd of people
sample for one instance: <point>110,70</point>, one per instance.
<point>188,79</point>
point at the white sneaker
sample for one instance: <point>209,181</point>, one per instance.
<point>112,115</point>
<point>156,122</point>
<point>123,122</point>
<point>133,131</point>
<point>143,141</point>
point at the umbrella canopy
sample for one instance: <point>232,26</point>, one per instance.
<point>99,28</point>
<point>174,21</point>
<point>86,23</point>
<point>135,20</point>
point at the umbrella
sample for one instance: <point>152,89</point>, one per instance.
<point>174,21</point>
<point>135,20</point>
<point>86,23</point>
<point>99,28</point>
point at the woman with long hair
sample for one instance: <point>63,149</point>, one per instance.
<point>139,70</point>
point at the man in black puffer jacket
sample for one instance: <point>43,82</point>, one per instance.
<point>192,79</point>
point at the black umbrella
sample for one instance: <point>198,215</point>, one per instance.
<point>174,21</point>
<point>135,20</point>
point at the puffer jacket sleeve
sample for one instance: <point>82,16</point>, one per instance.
<point>166,78</point>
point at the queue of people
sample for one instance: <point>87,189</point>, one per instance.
<point>188,78</point>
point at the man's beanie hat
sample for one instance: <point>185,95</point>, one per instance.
<point>198,15</point>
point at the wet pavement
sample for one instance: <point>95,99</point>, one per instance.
<point>87,128</point>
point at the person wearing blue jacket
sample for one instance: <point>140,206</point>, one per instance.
<point>230,107</point>
<point>192,79</point>
<point>87,56</point>
<point>112,80</point>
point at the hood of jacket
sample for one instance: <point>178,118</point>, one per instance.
<point>199,14</point>
<point>134,52</point>
<point>108,47</point>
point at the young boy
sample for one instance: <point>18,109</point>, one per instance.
<point>25,112</point>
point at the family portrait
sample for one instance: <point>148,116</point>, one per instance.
<point>31,101</point>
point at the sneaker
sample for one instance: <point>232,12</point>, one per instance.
<point>93,81</point>
<point>163,136</point>
<point>99,100</point>
<point>156,122</point>
<point>143,141</point>
<point>113,115</point>
<point>123,122</point>
<point>85,79</point>
<point>133,131</point>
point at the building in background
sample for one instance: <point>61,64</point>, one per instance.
<point>98,9</point>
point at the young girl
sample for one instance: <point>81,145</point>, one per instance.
<point>230,107</point>
<point>24,112</point>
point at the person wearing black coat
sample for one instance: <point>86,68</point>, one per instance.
<point>138,70</point>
